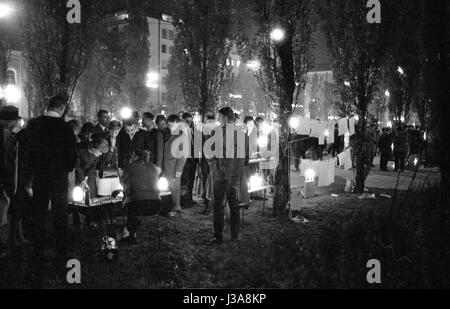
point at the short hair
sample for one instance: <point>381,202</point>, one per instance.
<point>102,112</point>
<point>130,122</point>
<point>73,124</point>
<point>210,116</point>
<point>187,115</point>
<point>259,119</point>
<point>114,124</point>
<point>159,119</point>
<point>98,138</point>
<point>148,116</point>
<point>173,118</point>
<point>88,128</point>
<point>57,102</point>
<point>248,119</point>
<point>227,112</point>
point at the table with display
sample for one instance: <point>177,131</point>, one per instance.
<point>102,207</point>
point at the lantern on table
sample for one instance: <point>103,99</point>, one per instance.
<point>310,184</point>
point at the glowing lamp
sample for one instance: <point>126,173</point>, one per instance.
<point>5,10</point>
<point>402,119</point>
<point>256,182</point>
<point>356,118</point>
<point>12,94</point>
<point>310,175</point>
<point>277,34</point>
<point>163,184</point>
<point>389,124</point>
<point>327,133</point>
<point>294,123</point>
<point>78,195</point>
<point>310,185</point>
<point>263,141</point>
<point>392,147</point>
<point>416,161</point>
<point>126,113</point>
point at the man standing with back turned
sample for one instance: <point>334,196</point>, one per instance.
<point>53,156</point>
<point>226,176</point>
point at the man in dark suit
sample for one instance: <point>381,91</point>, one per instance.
<point>156,140</point>
<point>52,148</point>
<point>226,176</point>
<point>103,122</point>
<point>130,140</point>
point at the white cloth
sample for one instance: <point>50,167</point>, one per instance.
<point>330,128</point>
<point>343,126</point>
<point>351,128</point>
<point>316,129</point>
<point>348,159</point>
<point>305,126</point>
<point>106,186</point>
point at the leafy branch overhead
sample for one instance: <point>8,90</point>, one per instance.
<point>202,46</point>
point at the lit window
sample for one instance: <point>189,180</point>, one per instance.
<point>238,63</point>
<point>164,33</point>
<point>228,62</point>
<point>11,77</point>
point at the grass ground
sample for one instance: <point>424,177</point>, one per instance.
<point>329,252</point>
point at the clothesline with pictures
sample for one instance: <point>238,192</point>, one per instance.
<point>324,130</point>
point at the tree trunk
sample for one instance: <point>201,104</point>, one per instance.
<point>282,174</point>
<point>361,151</point>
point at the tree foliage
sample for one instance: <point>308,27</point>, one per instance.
<point>284,65</point>
<point>56,52</point>
<point>202,45</point>
<point>358,51</point>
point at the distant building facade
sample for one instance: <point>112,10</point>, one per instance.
<point>14,90</point>
<point>161,43</point>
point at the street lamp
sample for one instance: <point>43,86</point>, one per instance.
<point>126,113</point>
<point>401,71</point>
<point>347,84</point>
<point>387,94</point>
<point>277,34</point>
<point>5,10</point>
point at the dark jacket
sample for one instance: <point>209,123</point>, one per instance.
<point>156,143</point>
<point>140,181</point>
<point>99,129</point>
<point>227,170</point>
<point>24,179</point>
<point>8,162</point>
<point>385,142</point>
<point>53,149</point>
<point>86,166</point>
<point>126,146</point>
<point>109,162</point>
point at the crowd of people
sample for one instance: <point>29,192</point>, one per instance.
<point>43,161</point>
